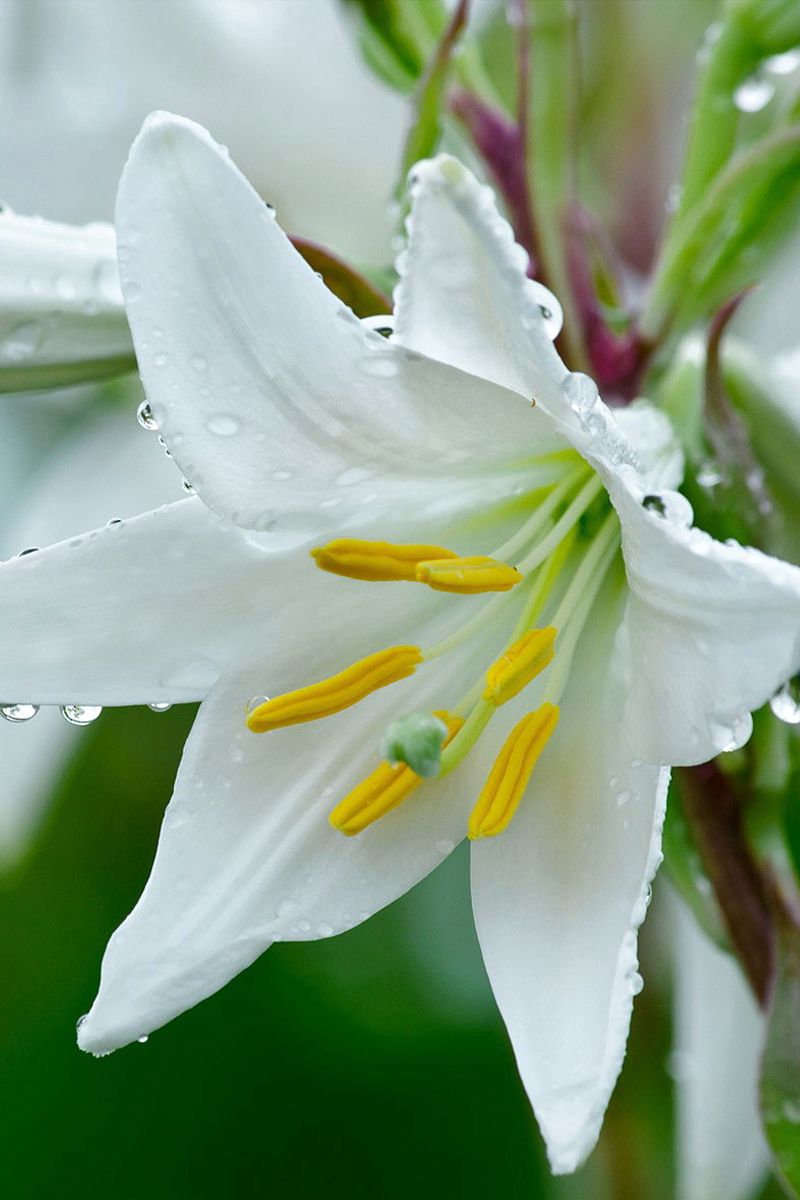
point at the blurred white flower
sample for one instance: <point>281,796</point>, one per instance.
<point>281,81</point>
<point>716,1060</point>
<point>293,422</point>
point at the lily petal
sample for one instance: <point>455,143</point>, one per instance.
<point>696,601</point>
<point>61,315</point>
<point>247,856</point>
<point>721,1149</point>
<point>151,609</point>
<point>464,296</point>
<point>559,898</point>
<point>281,408</point>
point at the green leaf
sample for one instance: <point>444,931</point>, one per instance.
<point>343,280</point>
<point>780,1071</point>
<point>724,247</point>
<point>426,130</point>
<point>397,36</point>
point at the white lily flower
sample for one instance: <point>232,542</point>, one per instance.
<point>298,424</point>
<point>62,319</point>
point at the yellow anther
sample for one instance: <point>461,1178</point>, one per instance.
<point>468,575</point>
<point>383,790</point>
<point>519,664</point>
<point>375,560</point>
<point>509,776</point>
<point>338,692</point>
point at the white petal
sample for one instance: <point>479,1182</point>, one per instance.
<point>710,633</point>
<point>147,610</point>
<point>464,296</point>
<point>279,406</point>
<point>247,855</point>
<point>716,1060</point>
<point>61,313</point>
<point>558,899</point>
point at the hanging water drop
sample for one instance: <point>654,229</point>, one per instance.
<point>785,704</point>
<point>17,713</point>
<point>144,415</point>
<point>81,714</point>
<point>160,706</point>
<point>28,550</point>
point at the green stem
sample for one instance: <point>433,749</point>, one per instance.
<point>551,141</point>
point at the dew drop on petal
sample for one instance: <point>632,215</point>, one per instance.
<point>785,704</point>
<point>444,846</point>
<point>17,713</point>
<point>636,983</point>
<point>143,1039</point>
<point>198,362</point>
<point>22,341</point>
<point>144,415</point>
<point>160,707</point>
<point>256,702</point>
<point>580,392</point>
<point>187,487</point>
<point>222,425</point>
<point>81,714</point>
<point>383,324</point>
<point>324,929</point>
<point>28,550</point>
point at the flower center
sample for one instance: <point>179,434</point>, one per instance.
<point>545,576</point>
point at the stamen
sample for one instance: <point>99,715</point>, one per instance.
<point>382,790</point>
<point>519,664</point>
<point>338,692</point>
<point>375,561</point>
<point>509,776</point>
<point>468,576</point>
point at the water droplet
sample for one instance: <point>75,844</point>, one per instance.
<point>304,926</point>
<point>113,522</point>
<point>280,476</point>
<point>636,983</point>
<point>187,487</point>
<point>623,797</point>
<point>160,359</point>
<point>580,392</point>
<point>80,714</point>
<point>198,362</point>
<point>383,324</point>
<point>444,846</point>
<point>754,94</point>
<point>133,291</point>
<point>28,550</point>
<point>785,704</point>
<point>143,1039</point>
<point>144,415</point>
<point>222,425</point>
<point>160,706</point>
<point>22,341</point>
<point>672,506</point>
<point>18,713</point>
<point>287,907</point>
<point>324,929</point>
